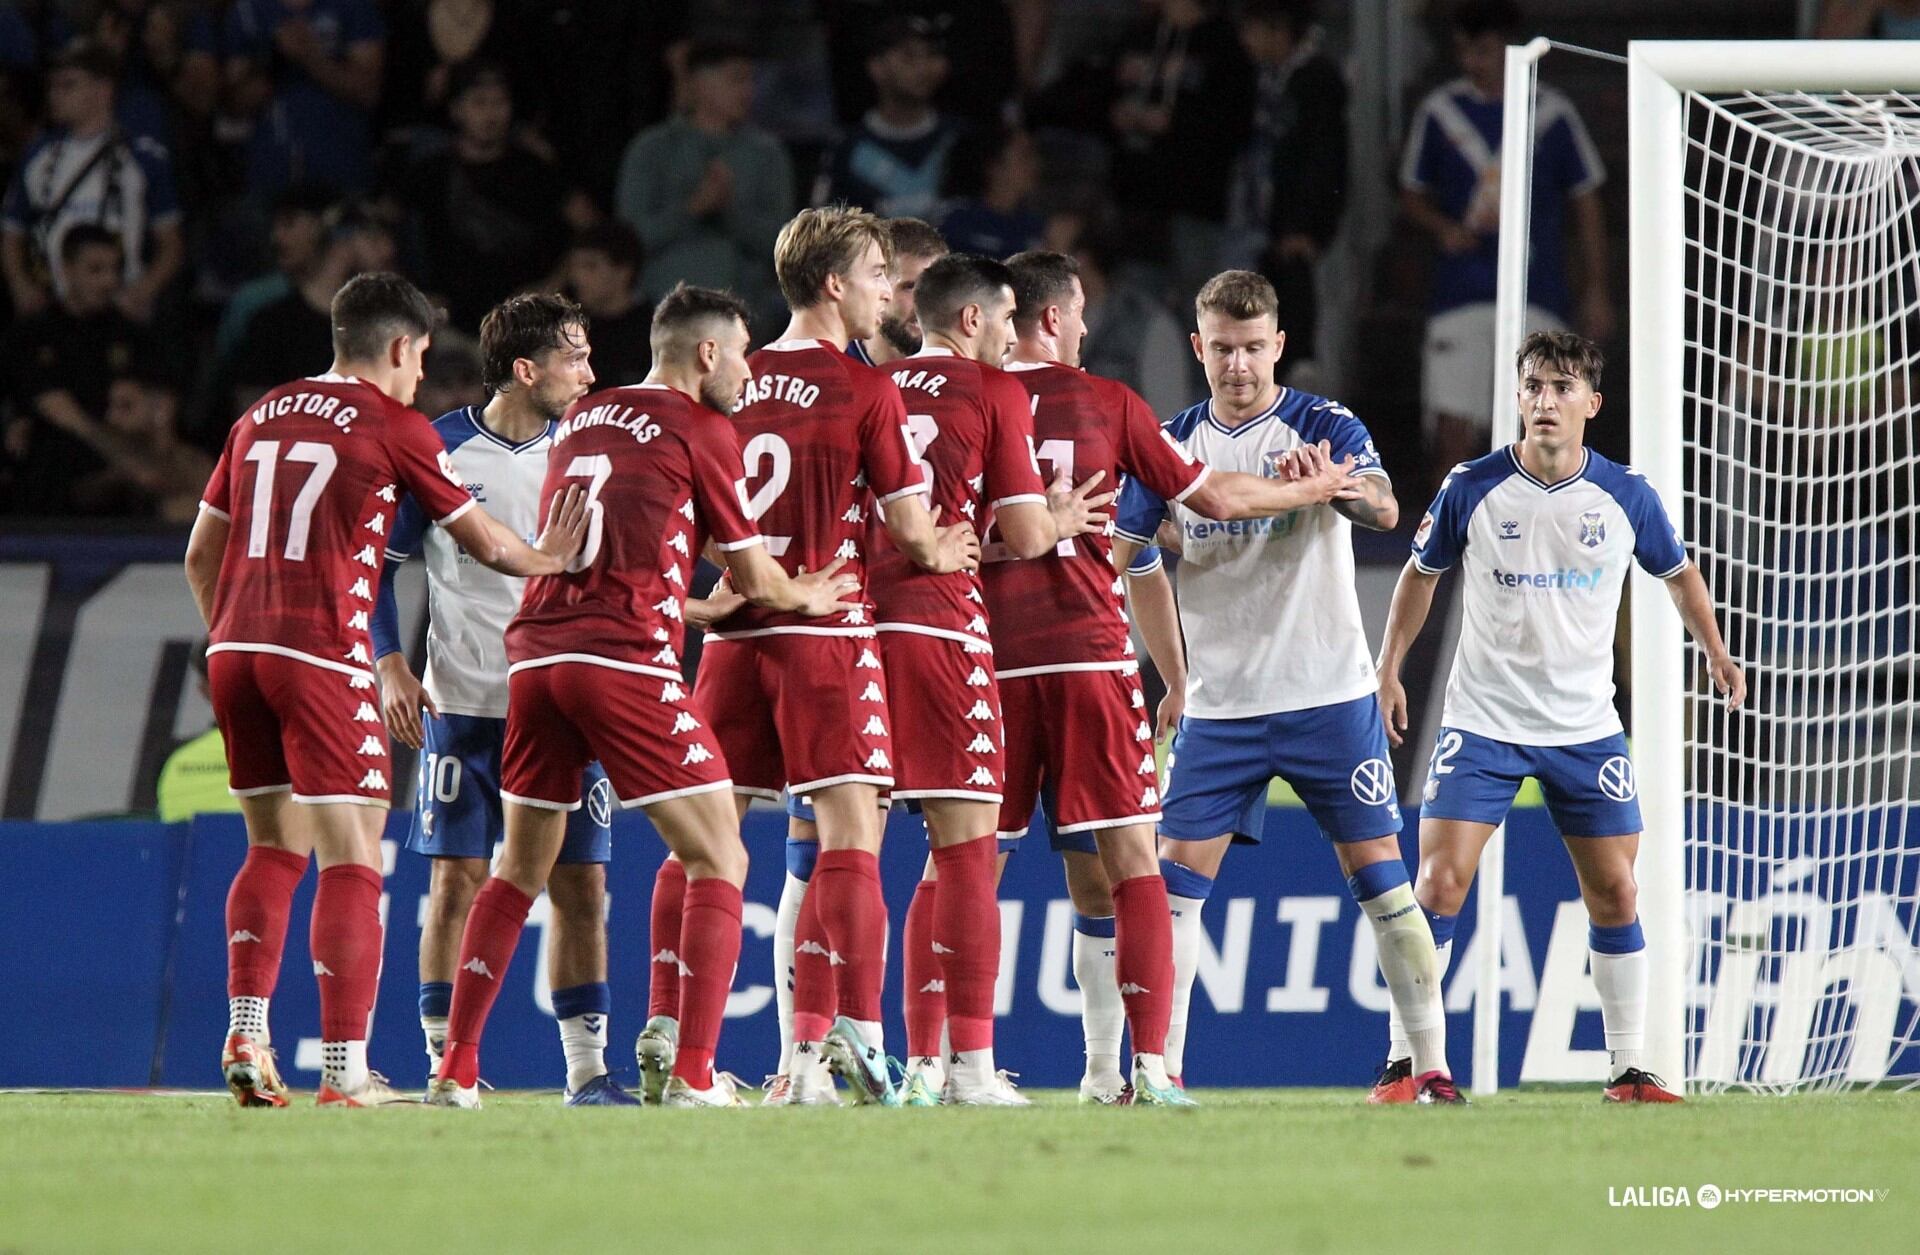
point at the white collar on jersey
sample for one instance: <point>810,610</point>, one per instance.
<point>1586,459</point>
<point>794,346</point>
<point>934,350</point>
<point>330,377</point>
<point>1253,422</point>
<point>477,415</point>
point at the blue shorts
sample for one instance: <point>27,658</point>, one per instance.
<point>1335,757</point>
<point>456,812</point>
<point>1079,842</point>
<point>1590,788</point>
<point>800,806</point>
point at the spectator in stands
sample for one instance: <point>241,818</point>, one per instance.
<point>707,191</point>
<point>428,40</point>
<point>166,54</point>
<point>1292,184</point>
<point>1181,110</point>
<point>1450,188</point>
<point>85,171</point>
<point>990,46</point>
<point>298,237</point>
<point>293,337</point>
<point>150,472</point>
<point>1130,335</point>
<point>601,270</point>
<point>991,177</point>
<point>193,780</point>
<point>1869,19</point>
<point>894,160</point>
<point>307,75</point>
<point>60,367</point>
<point>453,374</point>
<point>486,208</point>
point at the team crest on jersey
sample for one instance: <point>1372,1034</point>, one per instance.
<point>1593,529</point>
<point>1270,462</point>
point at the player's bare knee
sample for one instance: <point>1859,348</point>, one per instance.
<point>722,857</point>
<point>1612,900</point>
<point>578,891</point>
<point>452,886</point>
<point>1087,884</point>
<point>1442,886</point>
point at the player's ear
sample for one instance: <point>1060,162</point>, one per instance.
<point>1199,352</point>
<point>1279,344</point>
<point>1593,407</point>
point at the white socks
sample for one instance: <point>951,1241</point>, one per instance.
<point>1186,965</point>
<point>1621,980</point>
<point>1398,1046</point>
<point>1103,1014</point>
<point>343,1065</point>
<point>1408,961</point>
<point>247,1017</point>
<point>785,920</point>
<point>583,1038</point>
<point>434,1029</point>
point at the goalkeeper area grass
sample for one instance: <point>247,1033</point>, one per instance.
<point>1265,1170</point>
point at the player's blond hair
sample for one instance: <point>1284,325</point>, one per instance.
<point>1238,294</point>
<point>821,242</point>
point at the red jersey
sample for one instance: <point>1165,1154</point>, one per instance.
<point>972,426</point>
<point>1064,612</point>
<point>309,480</point>
<point>662,475</point>
<point>821,435</point>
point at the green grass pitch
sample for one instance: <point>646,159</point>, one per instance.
<point>1269,1170</point>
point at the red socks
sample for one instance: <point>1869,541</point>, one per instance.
<point>815,983</point>
<point>853,914</point>
<point>1143,960</point>
<point>663,975</point>
<point>966,928</point>
<point>925,994</point>
<point>486,948</point>
<point>710,949</point>
<point>345,939</point>
<point>258,905</point>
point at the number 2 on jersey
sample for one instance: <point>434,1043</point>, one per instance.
<point>773,450</point>
<point>300,525</point>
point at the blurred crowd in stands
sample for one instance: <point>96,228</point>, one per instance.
<point>189,181</point>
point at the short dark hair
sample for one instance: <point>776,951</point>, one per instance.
<point>911,237</point>
<point>1474,18</point>
<point>90,57</point>
<point>477,72</point>
<point>704,54</point>
<point>1238,294</point>
<point>612,239</point>
<point>87,235</point>
<point>955,282</point>
<point>1040,278</point>
<point>1565,351</point>
<point>686,311</point>
<point>371,309</point>
<point>1293,15</point>
<point>523,326</point>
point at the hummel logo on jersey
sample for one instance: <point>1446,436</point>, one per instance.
<point>678,543</point>
<point>1139,700</point>
<point>366,713</point>
<point>478,967</point>
<point>667,607</point>
<point>814,947</point>
<point>847,550</point>
<point>980,710</point>
<point>358,623</point>
<point>940,949</point>
<point>872,693</point>
<point>981,744</point>
<point>868,660</point>
<point>358,653</point>
<point>386,493</point>
<point>853,515</point>
<point>372,748</point>
<point>1147,766</point>
<point>684,722</point>
<point>979,679</point>
<point>1144,732</point>
<point>377,525</point>
<point>1132,987</point>
<point>373,780</point>
<point>367,557</point>
<point>874,727</point>
<point>666,657</point>
<point>982,777</point>
<point>671,692</point>
<point>241,935</point>
<point>321,969</point>
<point>361,589</point>
<point>1509,529</point>
<point>668,956</point>
<point>672,576</point>
<point>696,754</point>
<point>877,761</point>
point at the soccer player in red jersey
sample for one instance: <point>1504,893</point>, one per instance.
<point>283,562</point>
<point>594,672</point>
<point>972,427</point>
<point>1075,714</point>
<point>803,705</point>
<point>915,246</point>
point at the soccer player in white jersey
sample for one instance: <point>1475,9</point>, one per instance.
<point>1543,532</point>
<point>1280,682</point>
<point>535,362</point>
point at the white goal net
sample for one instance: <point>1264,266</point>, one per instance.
<point>1799,493</point>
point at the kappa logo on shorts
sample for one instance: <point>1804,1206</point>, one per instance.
<point>877,761</point>
<point>981,744</point>
<point>1145,733</point>
<point>872,693</point>
<point>980,710</point>
<point>1147,767</point>
<point>1616,779</point>
<point>1372,782</point>
<point>874,727</point>
<point>373,780</point>
<point>600,803</point>
<point>372,748</point>
<point>684,722</point>
<point>981,776</point>
<point>672,692</point>
<point>696,754</point>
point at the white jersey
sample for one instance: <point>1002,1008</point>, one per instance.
<point>468,604</point>
<point>1541,569</point>
<point>1269,606</point>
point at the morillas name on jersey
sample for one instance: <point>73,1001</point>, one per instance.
<point>627,418</point>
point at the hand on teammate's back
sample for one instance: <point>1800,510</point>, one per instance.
<point>956,548</point>
<point>1076,510</point>
<point>826,591</point>
<point>566,525</point>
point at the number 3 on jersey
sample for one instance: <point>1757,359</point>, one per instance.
<point>597,469</point>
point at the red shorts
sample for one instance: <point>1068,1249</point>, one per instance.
<point>645,730</point>
<point>1086,735</point>
<point>294,725</point>
<point>943,690</point>
<point>798,711</point>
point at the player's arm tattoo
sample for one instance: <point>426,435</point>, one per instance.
<point>1377,509</point>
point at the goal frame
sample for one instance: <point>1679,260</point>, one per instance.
<point>1658,74</point>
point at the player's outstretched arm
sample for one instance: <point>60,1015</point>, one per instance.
<point>1412,602</point>
<point>205,547</point>
<point>1150,596</point>
<point>494,545</point>
<point>813,593</point>
<point>917,531</point>
<point>1690,596</point>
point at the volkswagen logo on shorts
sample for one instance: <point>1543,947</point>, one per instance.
<point>600,803</point>
<point>1616,778</point>
<point>1372,782</point>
